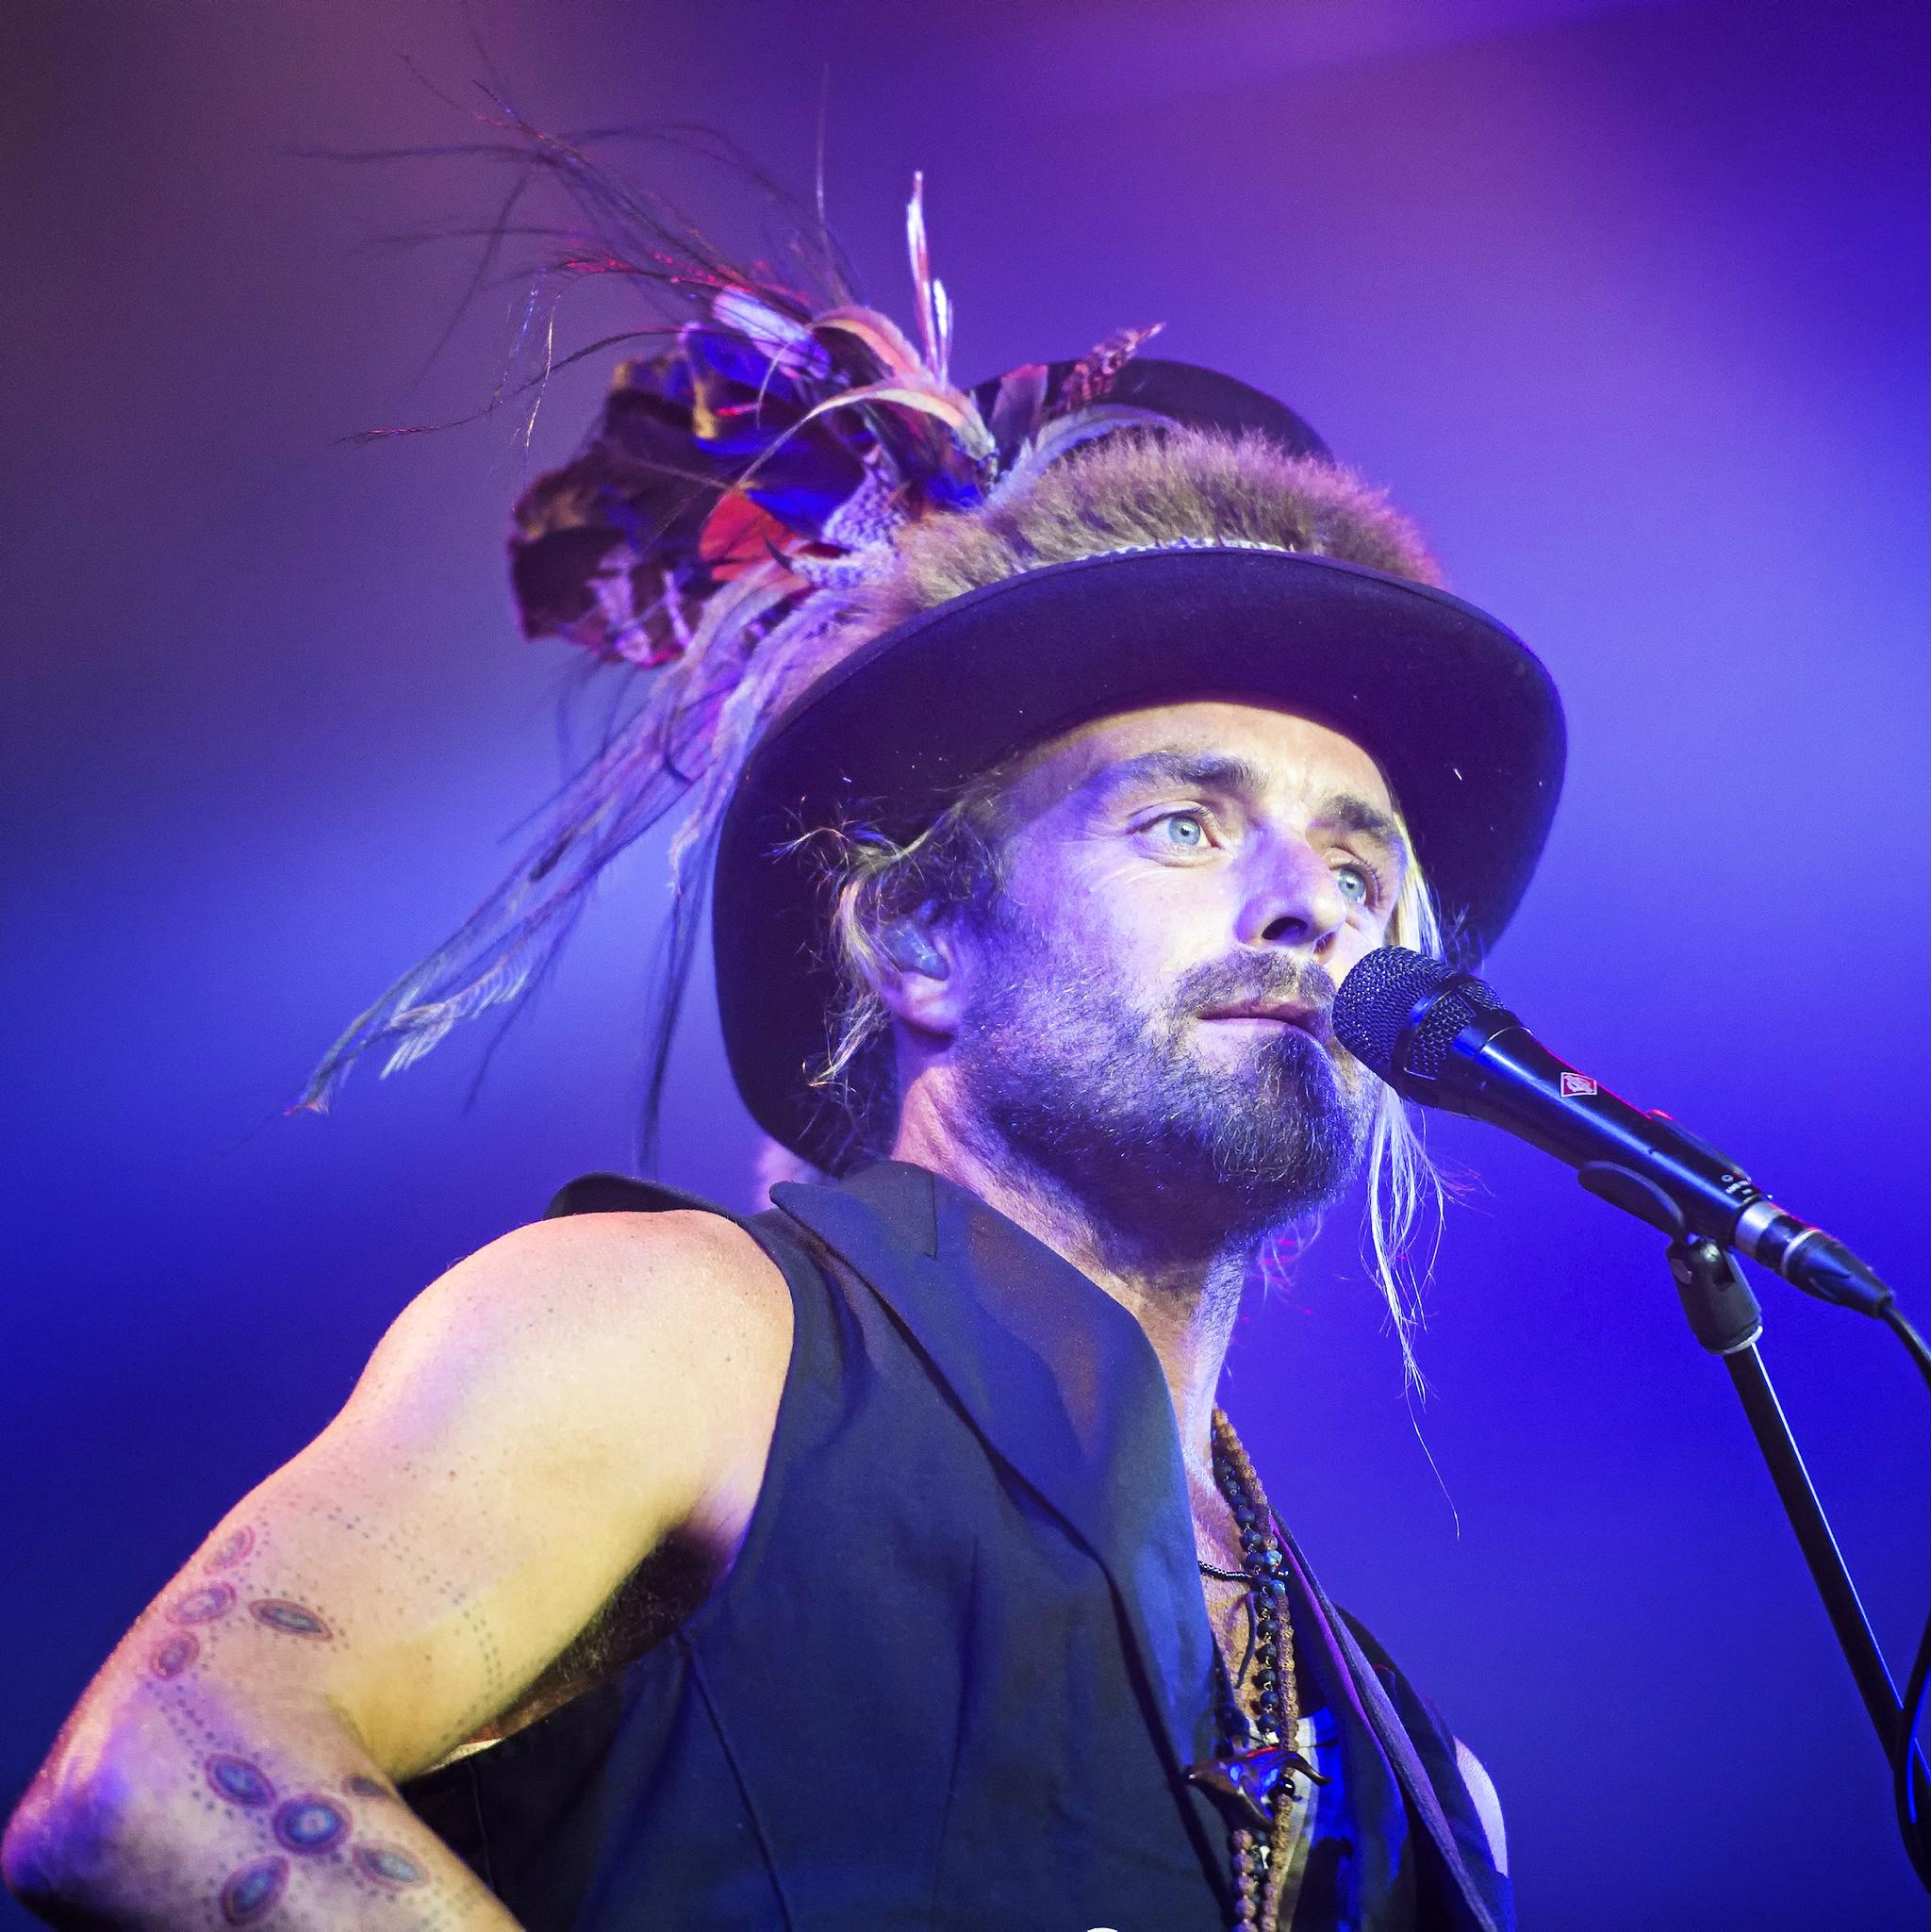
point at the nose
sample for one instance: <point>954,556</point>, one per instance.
<point>1292,900</point>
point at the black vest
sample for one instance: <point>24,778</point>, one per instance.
<point>957,1671</point>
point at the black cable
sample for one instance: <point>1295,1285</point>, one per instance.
<point>1904,1761</point>
<point>1920,1351</point>
<point>1904,1783</point>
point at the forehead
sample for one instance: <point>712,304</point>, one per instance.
<point>1293,756</point>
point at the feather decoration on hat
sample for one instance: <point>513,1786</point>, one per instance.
<point>738,487</point>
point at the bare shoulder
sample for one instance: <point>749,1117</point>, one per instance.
<point>637,1283</point>
<point>625,1338</point>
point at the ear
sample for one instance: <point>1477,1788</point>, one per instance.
<point>906,945</point>
<point>920,987</point>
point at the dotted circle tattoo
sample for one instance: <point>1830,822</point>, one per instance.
<point>173,1657</point>
<point>253,1891</point>
<point>293,1619</point>
<point>389,1865</point>
<point>310,1823</point>
<point>239,1781</point>
<point>478,1626</point>
<point>202,1606</point>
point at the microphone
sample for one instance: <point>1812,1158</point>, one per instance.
<point>1442,1038</point>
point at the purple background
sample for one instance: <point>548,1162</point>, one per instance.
<point>1627,302</point>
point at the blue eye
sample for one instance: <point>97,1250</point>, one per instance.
<point>1184,829</point>
<point>1357,883</point>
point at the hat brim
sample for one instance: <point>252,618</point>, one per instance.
<point>1461,718</point>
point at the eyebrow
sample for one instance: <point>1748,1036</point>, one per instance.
<point>1218,771</point>
<point>1204,771</point>
<point>1348,812</point>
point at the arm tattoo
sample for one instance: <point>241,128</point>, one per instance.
<point>174,1655</point>
<point>310,1836</point>
<point>293,1619</point>
<point>205,1606</point>
<point>232,1548</point>
<point>255,1891</point>
<point>497,1688</point>
<point>239,1781</point>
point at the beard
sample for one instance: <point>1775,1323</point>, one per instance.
<point>1120,1103</point>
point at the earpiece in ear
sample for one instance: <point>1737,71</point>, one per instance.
<point>910,951</point>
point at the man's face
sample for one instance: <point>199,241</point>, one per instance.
<point>1144,1011</point>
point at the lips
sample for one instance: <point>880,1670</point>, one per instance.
<point>1309,1019</point>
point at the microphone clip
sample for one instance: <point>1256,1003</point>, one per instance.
<point>1722,1307</point>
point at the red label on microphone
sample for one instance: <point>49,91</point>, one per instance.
<point>1577,1084</point>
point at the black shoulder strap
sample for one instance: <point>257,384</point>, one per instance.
<point>1436,1746</point>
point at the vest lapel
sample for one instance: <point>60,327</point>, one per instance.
<point>1062,1385</point>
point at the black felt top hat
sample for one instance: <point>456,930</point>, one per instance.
<point>1461,718</point>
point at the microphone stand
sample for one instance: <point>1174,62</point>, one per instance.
<point>1726,1318</point>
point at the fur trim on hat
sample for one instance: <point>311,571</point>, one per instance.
<point>1138,489</point>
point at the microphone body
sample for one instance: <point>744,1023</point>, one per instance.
<point>1444,1039</point>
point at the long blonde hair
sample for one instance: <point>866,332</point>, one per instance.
<point>1406,1193</point>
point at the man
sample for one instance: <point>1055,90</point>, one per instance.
<point>884,1560</point>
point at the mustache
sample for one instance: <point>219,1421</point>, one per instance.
<point>1242,982</point>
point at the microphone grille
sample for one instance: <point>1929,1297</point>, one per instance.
<point>1445,1018</point>
<point>1377,998</point>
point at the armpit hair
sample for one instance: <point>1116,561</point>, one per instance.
<point>664,1589</point>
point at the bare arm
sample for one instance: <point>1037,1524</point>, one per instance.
<point>532,1427</point>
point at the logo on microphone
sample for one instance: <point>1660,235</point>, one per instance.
<point>1576,1086</point>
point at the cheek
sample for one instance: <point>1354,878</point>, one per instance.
<point>1107,918</point>
<point>1145,924</point>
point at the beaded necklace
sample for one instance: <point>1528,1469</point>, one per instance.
<point>1252,1774</point>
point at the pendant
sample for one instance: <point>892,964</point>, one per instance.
<point>1249,1785</point>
